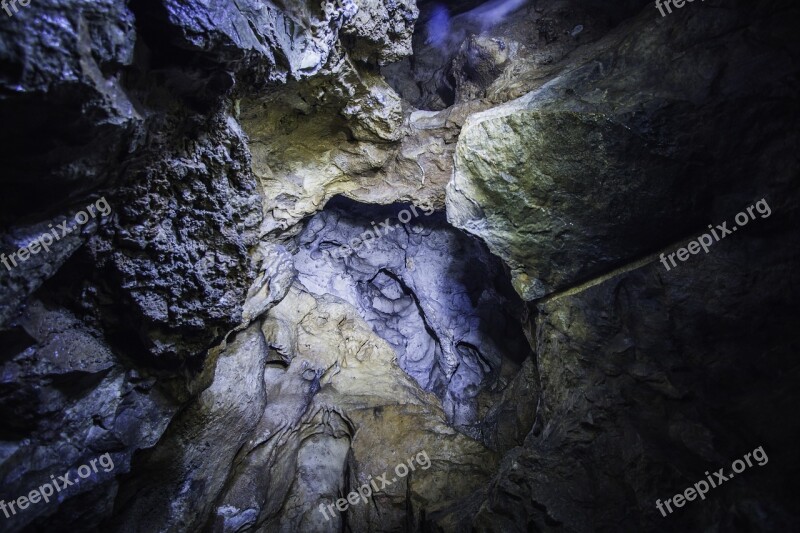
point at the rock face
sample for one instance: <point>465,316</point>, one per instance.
<point>413,250</point>
<point>66,398</point>
<point>69,87</point>
<point>305,406</point>
<point>342,135</point>
<point>180,261</point>
<point>133,103</point>
<point>656,375</point>
<point>455,325</point>
<point>62,64</point>
<point>380,32</point>
<point>609,174</point>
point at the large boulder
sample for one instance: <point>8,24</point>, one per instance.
<point>650,379</point>
<point>621,155</point>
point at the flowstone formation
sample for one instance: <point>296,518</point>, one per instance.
<point>437,296</point>
<point>304,406</point>
<point>248,356</point>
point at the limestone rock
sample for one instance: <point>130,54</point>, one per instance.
<point>181,479</point>
<point>653,377</point>
<point>66,399</point>
<point>304,155</point>
<point>62,64</point>
<point>330,411</point>
<point>243,378</point>
<point>273,43</point>
<point>456,326</point>
<point>178,248</point>
<point>381,30</point>
<point>581,175</point>
<point>276,276</point>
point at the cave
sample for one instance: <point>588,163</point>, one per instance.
<point>399,266</point>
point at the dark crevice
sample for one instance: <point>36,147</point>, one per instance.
<point>408,292</point>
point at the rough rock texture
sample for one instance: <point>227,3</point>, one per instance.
<point>177,254</point>
<point>66,399</point>
<point>61,66</point>
<point>131,102</point>
<point>623,155</point>
<point>344,135</point>
<point>18,282</point>
<point>496,51</point>
<point>652,378</point>
<point>436,296</point>
<point>380,32</point>
<point>347,132</point>
<point>241,377</point>
<point>267,42</point>
<point>273,43</point>
<point>163,138</point>
<point>304,407</point>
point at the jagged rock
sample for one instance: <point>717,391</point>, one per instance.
<point>381,31</point>
<point>177,252</point>
<point>19,279</point>
<point>455,325</point>
<point>508,56</point>
<point>66,122</point>
<point>62,62</point>
<point>185,475</point>
<point>479,62</point>
<point>577,142</point>
<point>295,40</point>
<point>585,174</point>
<point>66,399</point>
<point>276,276</point>
<point>304,155</point>
<point>335,387</point>
<point>653,377</point>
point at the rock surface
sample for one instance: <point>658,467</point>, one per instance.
<point>651,378</point>
<point>436,296</point>
<point>621,156</point>
<point>66,398</point>
<point>304,407</point>
<point>524,344</point>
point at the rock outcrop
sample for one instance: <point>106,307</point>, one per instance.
<point>436,296</point>
<point>247,361</point>
<point>622,155</point>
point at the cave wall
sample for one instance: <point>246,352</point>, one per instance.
<point>525,335</point>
